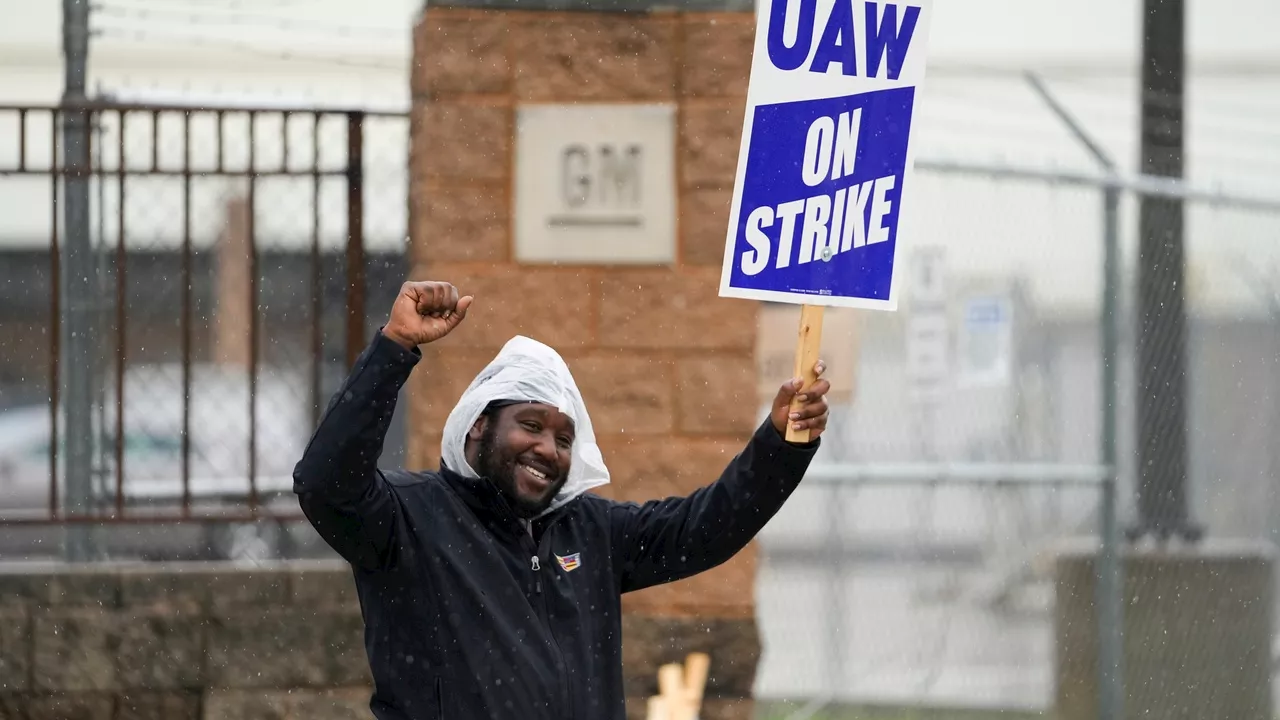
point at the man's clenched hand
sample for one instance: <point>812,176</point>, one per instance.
<point>812,413</point>
<point>425,312</point>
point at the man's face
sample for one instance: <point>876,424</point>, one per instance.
<point>525,450</point>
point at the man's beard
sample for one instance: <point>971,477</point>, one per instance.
<point>500,469</point>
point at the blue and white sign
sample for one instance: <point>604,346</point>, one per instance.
<point>985,345</point>
<point>826,152</point>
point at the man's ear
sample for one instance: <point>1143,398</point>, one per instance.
<point>477,428</point>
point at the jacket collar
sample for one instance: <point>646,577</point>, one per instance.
<point>488,503</point>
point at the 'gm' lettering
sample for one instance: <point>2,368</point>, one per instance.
<point>883,38</point>
<point>609,177</point>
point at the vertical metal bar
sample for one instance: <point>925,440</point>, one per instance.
<point>836,588</point>
<point>218,167</point>
<point>55,332</point>
<point>186,314</point>
<point>355,237</point>
<point>1273,419</point>
<point>1163,509</point>
<point>1110,584</point>
<point>91,264</point>
<point>253,317</point>
<point>155,140</point>
<point>317,295</point>
<point>284,142</point>
<point>121,315</point>
<point>1110,608</point>
<point>22,140</point>
<point>101,265</point>
<point>80,335</point>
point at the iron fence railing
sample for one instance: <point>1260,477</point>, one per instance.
<point>163,174</point>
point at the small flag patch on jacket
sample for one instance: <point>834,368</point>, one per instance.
<point>569,563</point>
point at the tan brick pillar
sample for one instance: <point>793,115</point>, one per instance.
<point>667,367</point>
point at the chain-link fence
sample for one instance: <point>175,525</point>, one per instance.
<point>915,566</point>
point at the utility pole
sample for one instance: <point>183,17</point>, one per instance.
<point>1162,317</point>
<point>79,288</point>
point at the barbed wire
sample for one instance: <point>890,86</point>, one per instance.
<point>255,20</point>
<point>1234,117</point>
<point>233,4</point>
<point>238,45</point>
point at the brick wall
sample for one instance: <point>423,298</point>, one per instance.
<point>666,366</point>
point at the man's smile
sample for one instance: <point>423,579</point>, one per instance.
<point>534,478</point>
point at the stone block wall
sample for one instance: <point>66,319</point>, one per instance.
<point>667,367</point>
<point>181,642</point>
<point>215,642</point>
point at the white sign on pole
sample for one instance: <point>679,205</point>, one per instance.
<point>985,345</point>
<point>824,167</point>
<point>928,330</point>
<point>595,184</point>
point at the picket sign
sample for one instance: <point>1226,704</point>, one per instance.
<point>680,689</point>
<point>825,161</point>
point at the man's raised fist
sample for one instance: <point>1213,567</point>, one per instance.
<point>425,312</point>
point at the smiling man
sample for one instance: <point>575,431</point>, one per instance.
<point>492,587</point>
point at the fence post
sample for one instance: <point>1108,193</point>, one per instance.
<point>1109,587</point>
<point>355,237</point>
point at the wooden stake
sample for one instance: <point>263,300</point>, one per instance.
<point>671,681</point>
<point>657,709</point>
<point>808,345</point>
<point>696,667</point>
<point>680,689</point>
<point>674,703</point>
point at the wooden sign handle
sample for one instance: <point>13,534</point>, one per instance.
<point>808,346</point>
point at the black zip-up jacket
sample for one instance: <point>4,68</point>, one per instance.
<point>471,614</point>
